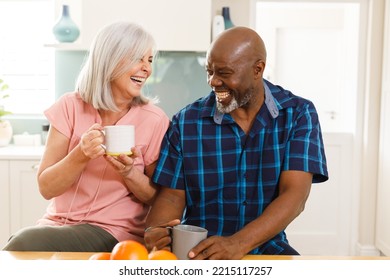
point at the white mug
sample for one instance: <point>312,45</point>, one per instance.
<point>118,139</point>
<point>186,237</point>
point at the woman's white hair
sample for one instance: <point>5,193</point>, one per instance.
<point>114,50</point>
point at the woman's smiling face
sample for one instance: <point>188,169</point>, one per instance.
<point>129,84</point>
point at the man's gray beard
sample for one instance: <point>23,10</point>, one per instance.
<point>233,104</point>
<point>231,107</point>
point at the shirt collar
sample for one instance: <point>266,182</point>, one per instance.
<point>218,116</point>
<point>270,102</point>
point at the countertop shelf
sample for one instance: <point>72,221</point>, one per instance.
<point>21,152</point>
<point>67,46</point>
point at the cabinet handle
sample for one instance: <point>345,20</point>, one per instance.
<point>35,166</point>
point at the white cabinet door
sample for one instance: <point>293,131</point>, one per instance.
<point>4,203</point>
<point>26,203</point>
<point>177,25</point>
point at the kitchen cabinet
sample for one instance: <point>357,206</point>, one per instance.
<point>4,202</point>
<point>21,204</point>
<point>177,25</point>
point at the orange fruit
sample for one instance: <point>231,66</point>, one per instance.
<point>162,255</point>
<point>101,256</point>
<point>129,250</point>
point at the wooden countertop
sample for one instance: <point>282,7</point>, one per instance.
<point>14,265</point>
<point>6,255</point>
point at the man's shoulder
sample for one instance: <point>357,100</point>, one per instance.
<point>285,97</point>
<point>199,106</point>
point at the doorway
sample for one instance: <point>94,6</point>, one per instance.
<point>313,50</point>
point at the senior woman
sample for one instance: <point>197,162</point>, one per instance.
<point>98,200</point>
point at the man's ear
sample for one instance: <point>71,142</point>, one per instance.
<point>259,68</point>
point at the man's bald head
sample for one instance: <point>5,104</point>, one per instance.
<point>240,41</point>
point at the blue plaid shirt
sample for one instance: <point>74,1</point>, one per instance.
<point>230,177</point>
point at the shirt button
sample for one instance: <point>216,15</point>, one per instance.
<point>245,202</point>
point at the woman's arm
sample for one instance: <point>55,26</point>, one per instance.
<point>137,182</point>
<point>59,169</point>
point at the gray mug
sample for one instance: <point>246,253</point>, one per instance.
<point>186,237</point>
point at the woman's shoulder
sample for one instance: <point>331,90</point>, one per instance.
<point>152,109</point>
<point>73,96</point>
<point>71,100</point>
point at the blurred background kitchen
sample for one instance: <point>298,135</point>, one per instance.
<point>335,53</point>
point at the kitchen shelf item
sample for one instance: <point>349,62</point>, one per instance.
<point>226,17</point>
<point>65,29</point>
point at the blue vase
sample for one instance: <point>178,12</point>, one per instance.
<point>65,30</point>
<point>226,17</point>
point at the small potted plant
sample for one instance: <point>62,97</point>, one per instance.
<point>5,126</point>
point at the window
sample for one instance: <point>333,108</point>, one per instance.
<point>26,65</point>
